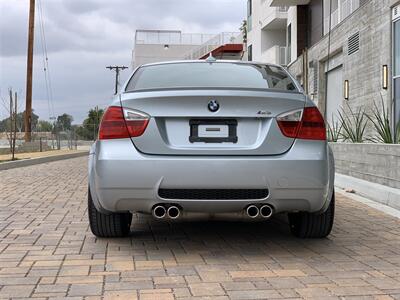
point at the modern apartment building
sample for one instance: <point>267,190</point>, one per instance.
<point>266,32</point>
<point>164,45</point>
<point>345,55</point>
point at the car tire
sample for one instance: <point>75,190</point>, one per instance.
<point>108,225</point>
<point>313,225</point>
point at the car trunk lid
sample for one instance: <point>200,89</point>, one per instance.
<point>182,122</point>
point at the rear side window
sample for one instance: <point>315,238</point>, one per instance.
<point>210,75</point>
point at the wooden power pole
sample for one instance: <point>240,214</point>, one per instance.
<point>13,123</point>
<point>29,70</point>
<point>117,70</point>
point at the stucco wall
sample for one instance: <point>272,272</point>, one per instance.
<point>270,38</point>
<point>379,163</point>
<point>149,53</point>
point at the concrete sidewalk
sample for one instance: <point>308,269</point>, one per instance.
<point>28,159</point>
<point>382,194</point>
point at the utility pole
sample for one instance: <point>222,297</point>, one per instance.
<point>13,123</point>
<point>95,122</point>
<point>117,70</point>
<point>29,68</point>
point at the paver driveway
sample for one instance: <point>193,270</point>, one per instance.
<point>47,250</point>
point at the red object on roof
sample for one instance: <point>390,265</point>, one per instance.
<point>227,49</point>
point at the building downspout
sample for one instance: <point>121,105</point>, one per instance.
<point>305,70</point>
<point>328,58</point>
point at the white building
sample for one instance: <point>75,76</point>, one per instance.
<point>279,30</point>
<point>295,34</point>
<point>164,45</point>
<point>266,36</point>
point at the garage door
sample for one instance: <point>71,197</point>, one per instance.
<point>334,98</point>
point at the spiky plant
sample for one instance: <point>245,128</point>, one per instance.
<point>353,125</point>
<point>380,118</point>
<point>334,130</point>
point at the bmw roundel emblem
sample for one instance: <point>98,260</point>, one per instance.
<point>213,105</point>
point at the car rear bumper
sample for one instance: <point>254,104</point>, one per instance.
<point>123,179</point>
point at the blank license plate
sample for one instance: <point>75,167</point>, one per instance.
<point>213,131</point>
<point>219,131</point>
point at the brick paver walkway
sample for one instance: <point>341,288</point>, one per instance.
<point>47,250</point>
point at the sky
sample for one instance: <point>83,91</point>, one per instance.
<point>85,36</point>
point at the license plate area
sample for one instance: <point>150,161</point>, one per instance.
<point>213,131</point>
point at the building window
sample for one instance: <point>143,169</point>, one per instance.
<point>250,53</point>
<point>340,10</point>
<point>289,44</point>
<point>249,14</point>
<point>396,48</point>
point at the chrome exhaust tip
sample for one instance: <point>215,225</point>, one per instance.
<point>252,211</point>
<point>266,211</point>
<point>159,212</point>
<point>173,212</point>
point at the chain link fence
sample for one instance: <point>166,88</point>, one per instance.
<point>45,141</point>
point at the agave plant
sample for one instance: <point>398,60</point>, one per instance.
<point>353,125</point>
<point>334,130</point>
<point>380,118</point>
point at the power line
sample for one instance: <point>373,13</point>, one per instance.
<point>44,55</point>
<point>46,68</point>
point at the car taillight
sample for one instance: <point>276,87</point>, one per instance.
<point>289,122</point>
<point>136,122</point>
<point>120,123</point>
<point>306,123</point>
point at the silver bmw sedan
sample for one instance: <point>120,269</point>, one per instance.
<point>213,137</point>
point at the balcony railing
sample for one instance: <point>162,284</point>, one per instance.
<point>213,43</point>
<point>172,37</point>
<point>283,9</point>
<point>271,14</point>
<point>275,55</point>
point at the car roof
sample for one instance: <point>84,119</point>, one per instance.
<point>205,61</point>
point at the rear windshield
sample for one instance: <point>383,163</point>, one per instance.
<point>210,75</point>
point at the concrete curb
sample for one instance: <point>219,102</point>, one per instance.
<point>371,203</point>
<point>373,191</point>
<point>40,160</point>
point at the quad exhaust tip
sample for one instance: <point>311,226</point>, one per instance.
<point>173,212</point>
<point>252,211</point>
<point>266,211</point>
<point>159,212</point>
